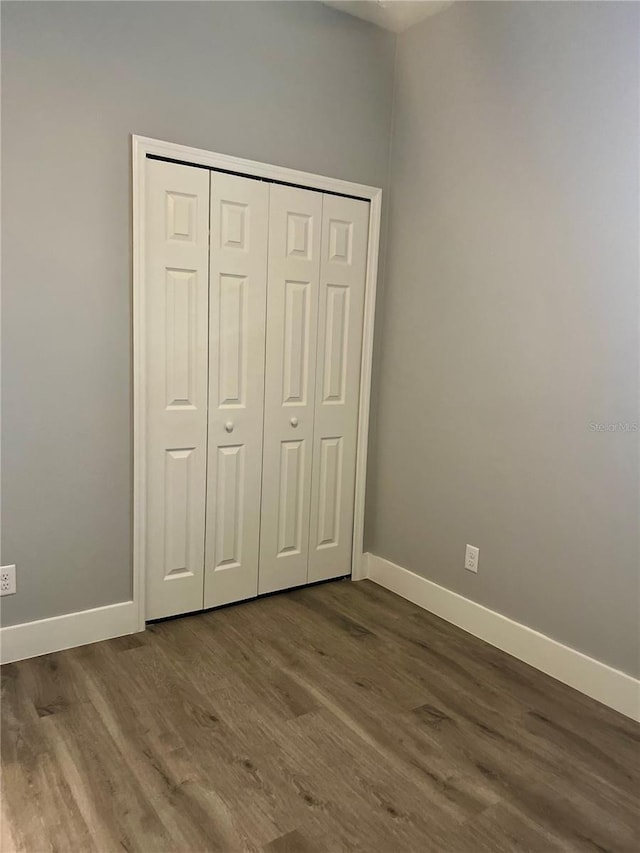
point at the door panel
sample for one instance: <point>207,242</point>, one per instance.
<point>291,498</point>
<point>329,492</point>
<point>295,363</point>
<point>229,500</point>
<point>177,247</point>
<point>238,288</point>
<point>345,225</point>
<point>179,475</point>
<point>292,316</point>
<point>336,342</point>
<point>231,356</point>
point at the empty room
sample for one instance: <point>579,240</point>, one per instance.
<point>320,426</point>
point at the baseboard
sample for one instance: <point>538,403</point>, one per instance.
<point>43,636</point>
<point>598,680</point>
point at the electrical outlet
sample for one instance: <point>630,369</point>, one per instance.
<point>471,558</point>
<point>7,580</point>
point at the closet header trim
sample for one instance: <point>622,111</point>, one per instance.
<point>255,177</point>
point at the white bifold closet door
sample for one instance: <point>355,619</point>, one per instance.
<point>176,315</point>
<point>292,319</point>
<point>345,225</point>
<point>317,267</point>
<point>253,308</point>
<point>237,324</point>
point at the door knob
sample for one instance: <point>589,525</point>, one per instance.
<point>229,426</point>
<point>294,422</point>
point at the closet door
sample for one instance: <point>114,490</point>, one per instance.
<point>238,290</point>
<point>345,224</point>
<point>292,306</point>
<point>176,312</point>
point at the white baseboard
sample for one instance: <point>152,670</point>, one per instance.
<point>598,680</point>
<point>30,639</point>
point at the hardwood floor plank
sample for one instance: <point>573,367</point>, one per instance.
<point>332,718</point>
<point>502,829</point>
<point>292,842</point>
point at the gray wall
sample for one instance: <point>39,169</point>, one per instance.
<point>509,320</point>
<point>295,84</point>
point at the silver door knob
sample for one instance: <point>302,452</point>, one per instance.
<point>294,422</point>
<point>229,426</point>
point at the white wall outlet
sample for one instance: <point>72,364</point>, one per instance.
<point>7,580</point>
<point>471,558</point>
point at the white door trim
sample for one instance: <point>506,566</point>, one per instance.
<point>141,147</point>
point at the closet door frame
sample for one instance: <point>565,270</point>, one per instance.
<point>144,147</point>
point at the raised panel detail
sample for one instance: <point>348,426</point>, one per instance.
<point>299,235</point>
<point>181,342</point>
<point>181,217</point>
<point>340,241</point>
<point>295,367</point>
<point>177,489</point>
<point>336,344</point>
<point>291,497</point>
<point>232,341</point>
<point>234,225</point>
<point>229,504</point>
<point>330,491</point>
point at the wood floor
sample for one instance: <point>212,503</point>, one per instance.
<point>333,718</point>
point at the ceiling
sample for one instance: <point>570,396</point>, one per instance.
<point>394,15</point>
